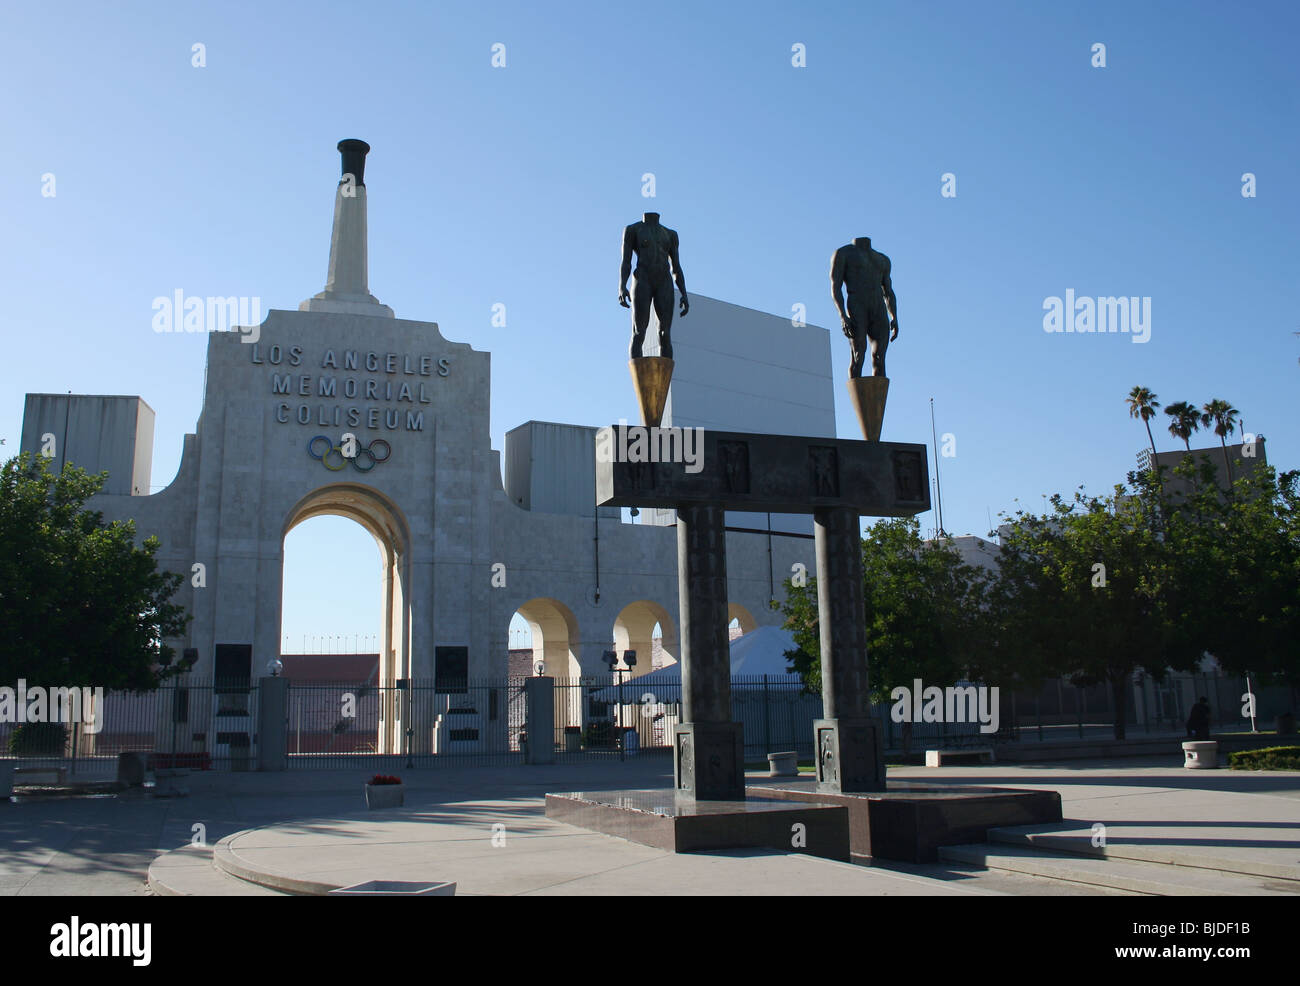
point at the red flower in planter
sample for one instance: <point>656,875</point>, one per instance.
<point>385,779</point>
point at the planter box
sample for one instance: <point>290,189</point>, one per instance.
<point>396,888</point>
<point>379,796</point>
<point>1201,755</point>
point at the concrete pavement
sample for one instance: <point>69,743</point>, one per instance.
<point>312,826</point>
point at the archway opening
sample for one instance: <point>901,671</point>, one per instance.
<point>329,635</point>
<point>352,690</point>
<point>741,620</point>
<point>338,616</point>
<point>552,636</point>
<point>636,627</point>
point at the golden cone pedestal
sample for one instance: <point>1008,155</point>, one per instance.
<point>868,395</point>
<point>651,376</point>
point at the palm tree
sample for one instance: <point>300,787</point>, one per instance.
<point>1186,421</point>
<point>1143,404</point>
<point>1223,416</point>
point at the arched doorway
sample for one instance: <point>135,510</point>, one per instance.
<point>554,631</point>
<point>739,618</point>
<point>381,518</point>
<point>634,629</point>
<point>652,713</point>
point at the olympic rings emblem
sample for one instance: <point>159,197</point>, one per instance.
<point>367,453</point>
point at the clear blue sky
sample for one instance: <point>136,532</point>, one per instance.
<point>512,184</point>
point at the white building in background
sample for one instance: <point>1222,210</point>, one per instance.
<point>975,550</point>
<point>742,370</point>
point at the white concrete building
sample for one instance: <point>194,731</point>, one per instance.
<point>269,451</point>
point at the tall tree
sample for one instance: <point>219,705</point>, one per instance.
<point>1238,572</point>
<point>1223,416</point>
<point>923,612</point>
<point>1143,404</point>
<point>81,605</point>
<point>1083,589</point>
<point>1186,420</point>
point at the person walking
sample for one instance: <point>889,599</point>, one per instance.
<point>1198,722</point>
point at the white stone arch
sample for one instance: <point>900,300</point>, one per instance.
<point>555,636</point>
<point>386,524</point>
<point>634,630</point>
<point>555,645</point>
<point>737,612</point>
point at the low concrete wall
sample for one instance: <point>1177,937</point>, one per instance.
<point>1144,747</point>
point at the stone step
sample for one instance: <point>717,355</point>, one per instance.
<point>1075,838</point>
<point>189,872</point>
<point>226,861</point>
<point>1155,879</point>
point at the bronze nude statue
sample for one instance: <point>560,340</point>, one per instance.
<point>871,316</point>
<point>657,267</point>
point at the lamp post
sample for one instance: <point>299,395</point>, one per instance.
<point>629,662</point>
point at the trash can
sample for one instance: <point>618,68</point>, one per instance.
<point>572,739</point>
<point>631,741</point>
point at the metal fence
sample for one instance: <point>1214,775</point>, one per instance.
<point>413,723</point>
<point>776,712</point>
<point>207,725</point>
<point>1058,710</point>
<point>603,716</point>
<point>185,723</point>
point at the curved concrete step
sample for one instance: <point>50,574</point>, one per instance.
<point>1155,879</point>
<point>1072,838</point>
<point>189,872</point>
<point>228,861</point>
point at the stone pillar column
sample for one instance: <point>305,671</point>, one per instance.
<point>539,694</point>
<point>708,760</point>
<point>272,723</point>
<point>850,751</point>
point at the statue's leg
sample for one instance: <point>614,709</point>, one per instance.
<point>858,349</point>
<point>857,344</point>
<point>878,333</point>
<point>641,297</point>
<point>664,300</point>
<point>858,325</point>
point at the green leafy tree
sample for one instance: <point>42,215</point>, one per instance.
<point>80,603</point>
<point>923,612</point>
<point>1084,590</point>
<point>1100,587</point>
<point>1237,569</point>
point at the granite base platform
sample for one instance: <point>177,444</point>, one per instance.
<point>656,818</point>
<point>909,822</point>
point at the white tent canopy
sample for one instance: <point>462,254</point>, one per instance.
<point>759,652</point>
<point>762,651</point>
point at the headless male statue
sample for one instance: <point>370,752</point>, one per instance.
<point>657,267</point>
<point>871,315</point>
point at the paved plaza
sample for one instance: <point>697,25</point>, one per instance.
<point>485,829</point>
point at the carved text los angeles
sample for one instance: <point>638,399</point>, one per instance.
<point>331,386</point>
